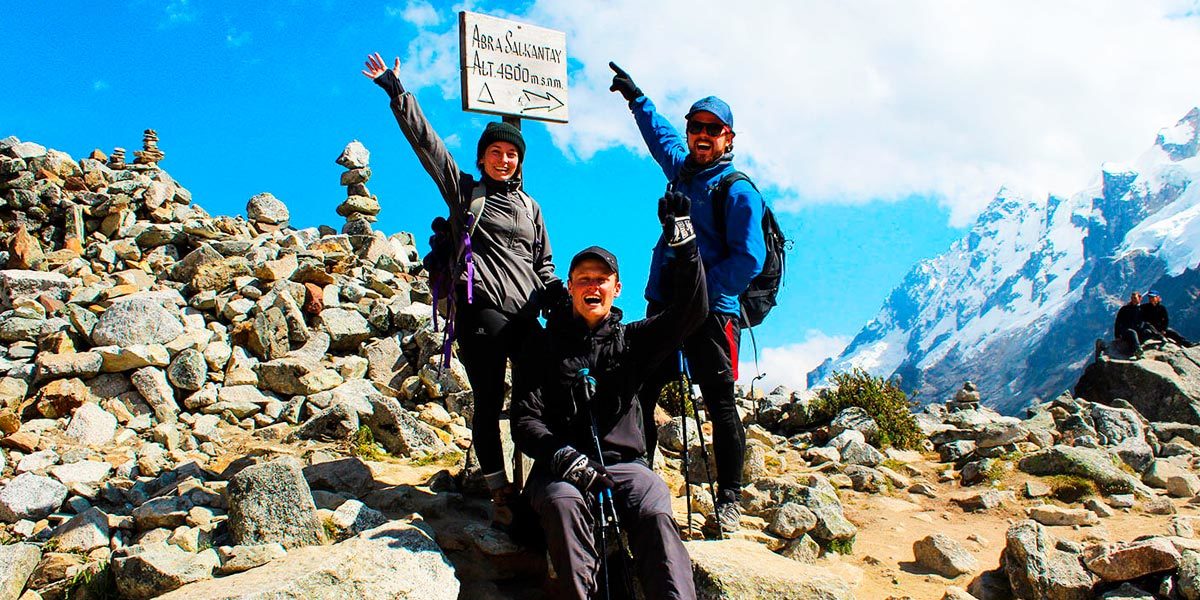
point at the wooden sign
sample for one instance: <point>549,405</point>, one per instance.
<point>512,69</point>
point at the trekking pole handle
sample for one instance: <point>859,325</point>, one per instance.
<point>589,382</point>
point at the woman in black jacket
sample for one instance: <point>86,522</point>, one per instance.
<point>498,299</point>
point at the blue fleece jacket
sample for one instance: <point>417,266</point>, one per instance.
<point>732,257</point>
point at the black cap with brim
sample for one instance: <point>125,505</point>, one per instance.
<point>597,253</point>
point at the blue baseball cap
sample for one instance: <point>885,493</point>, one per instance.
<point>715,106</point>
<point>1152,294</point>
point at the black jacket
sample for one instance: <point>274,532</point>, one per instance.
<point>548,408</point>
<point>513,259</point>
<point>1128,317</point>
<point>1155,315</point>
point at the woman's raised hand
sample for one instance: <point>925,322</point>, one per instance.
<point>376,66</point>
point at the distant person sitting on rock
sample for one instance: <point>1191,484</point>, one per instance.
<point>1155,320</point>
<point>1127,325</point>
<point>511,274</point>
<point>576,412</point>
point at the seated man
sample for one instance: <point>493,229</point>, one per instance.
<point>1156,321</point>
<point>576,412</point>
<point>1127,324</point>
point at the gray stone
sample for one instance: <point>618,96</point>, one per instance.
<point>73,364</point>
<point>159,568</point>
<point>831,521</point>
<point>792,521</point>
<point>348,475</point>
<point>1036,569</point>
<point>1051,515</point>
<point>804,549</point>
<point>91,425</point>
<point>353,517</point>
<point>188,371</point>
<point>856,419</point>
<point>29,496</point>
<point>1000,434</point>
<point>1129,592</point>
<point>866,479</point>
<point>396,560</point>
<point>944,556</point>
<point>858,453</point>
<point>336,423</point>
<point>17,562</point>
<point>1189,575</point>
<point>354,156</point>
<point>401,433</point>
<point>1084,462</point>
<point>165,511</point>
<point>347,329</point>
<point>744,569</point>
<point>37,461</point>
<point>293,376</point>
<point>670,435</point>
<point>974,502</point>
<point>236,559</point>
<point>18,284</point>
<point>84,532</point>
<point>84,471</point>
<point>1161,390</point>
<point>272,502</point>
<point>956,450</point>
<point>266,208</point>
<point>152,384</point>
<point>136,321</point>
<point>117,359</point>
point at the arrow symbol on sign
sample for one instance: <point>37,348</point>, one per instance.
<point>485,95</point>
<point>555,103</point>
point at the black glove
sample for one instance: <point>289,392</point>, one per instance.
<point>624,84</point>
<point>555,299</point>
<point>390,83</point>
<point>580,471</point>
<point>673,212</point>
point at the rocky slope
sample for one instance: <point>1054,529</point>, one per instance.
<point>1035,282</point>
<point>227,407</point>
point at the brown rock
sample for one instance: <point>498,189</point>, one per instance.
<point>25,441</point>
<point>314,299</point>
<point>61,397</point>
<point>1122,562</point>
<point>24,250</point>
<point>9,422</point>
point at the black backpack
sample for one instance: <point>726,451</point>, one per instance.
<point>450,256</point>
<point>759,297</point>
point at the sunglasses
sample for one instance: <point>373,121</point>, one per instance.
<point>712,129</point>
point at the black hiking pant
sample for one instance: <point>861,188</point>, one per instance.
<point>487,338</point>
<point>643,505</point>
<point>712,354</point>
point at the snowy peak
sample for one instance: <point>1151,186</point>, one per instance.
<point>1017,303</point>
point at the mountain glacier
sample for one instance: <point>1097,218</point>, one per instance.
<point>1017,303</point>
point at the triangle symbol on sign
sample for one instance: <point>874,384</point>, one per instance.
<point>485,95</point>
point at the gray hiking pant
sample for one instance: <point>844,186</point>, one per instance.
<point>644,507</point>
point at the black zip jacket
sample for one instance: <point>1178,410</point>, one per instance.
<point>1129,316</point>
<point>513,259</point>
<point>549,410</point>
<point>1156,316</point>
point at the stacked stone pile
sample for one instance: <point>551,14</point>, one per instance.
<point>143,337</point>
<point>361,205</point>
<point>149,155</point>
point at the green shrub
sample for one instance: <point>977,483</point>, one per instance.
<point>883,400</point>
<point>1071,488</point>
<point>844,547</point>
<point>363,445</point>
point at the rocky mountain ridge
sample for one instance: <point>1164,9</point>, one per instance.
<point>1017,303</point>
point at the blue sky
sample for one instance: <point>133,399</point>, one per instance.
<point>877,132</point>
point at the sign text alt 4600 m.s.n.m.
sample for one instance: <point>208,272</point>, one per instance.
<point>512,69</point>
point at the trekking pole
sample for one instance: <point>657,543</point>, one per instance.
<point>604,498</point>
<point>686,382</point>
<point>687,483</point>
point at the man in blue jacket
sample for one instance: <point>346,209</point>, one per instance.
<point>732,250</point>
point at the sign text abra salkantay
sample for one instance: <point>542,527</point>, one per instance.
<point>512,69</point>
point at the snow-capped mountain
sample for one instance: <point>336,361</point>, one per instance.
<point>1017,304</point>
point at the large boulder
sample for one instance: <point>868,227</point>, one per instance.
<point>1123,562</point>
<point>944,556</point>
<point>1037,569</point>
<point>397,560</point>
<point>1164,389</point>
<point>400,432</point>
<point>739,569</point>
<point>136,321</point>
<point>1088,463</point>
<point>272,502</point>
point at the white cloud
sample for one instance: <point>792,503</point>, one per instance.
<point>789,365</point>
<point>178,12</point>
<point>838,102</point>
<point>236,39</point>
<point>418,12</point>
<point>100,85</point>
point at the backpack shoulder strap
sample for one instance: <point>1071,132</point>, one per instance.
<point>475,205</point>
<point>720,196</point>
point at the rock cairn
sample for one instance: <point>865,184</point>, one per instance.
<point>117,160</point>
<point>149,155</point>
<point>361,206</point>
